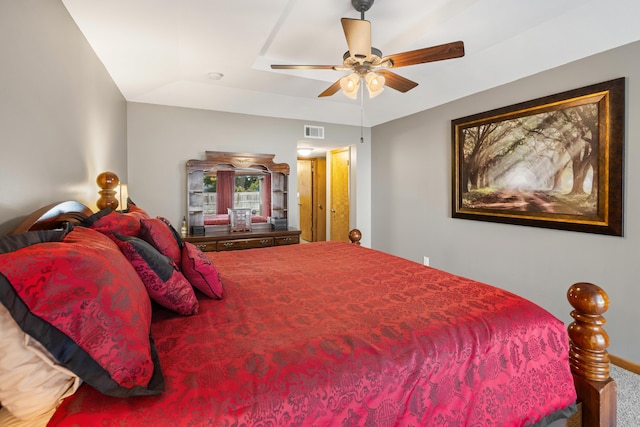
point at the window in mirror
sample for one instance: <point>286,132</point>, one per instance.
<point>236,189</point>
<point>247,193</point>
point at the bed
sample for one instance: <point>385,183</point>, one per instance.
<point>333,333</point>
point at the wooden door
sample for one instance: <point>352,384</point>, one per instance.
<point>339,207</point>
<point>305,199</point>
<point>319,200</point>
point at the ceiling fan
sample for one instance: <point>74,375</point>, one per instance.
<point>367,63</point>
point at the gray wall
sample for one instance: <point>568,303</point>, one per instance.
<point>62,119</point>
<point>411,178</point>
<point>161,139</point>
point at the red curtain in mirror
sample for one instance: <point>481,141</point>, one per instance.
<point>224,191</point>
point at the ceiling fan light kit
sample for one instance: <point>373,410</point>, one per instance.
<point>367,63</point>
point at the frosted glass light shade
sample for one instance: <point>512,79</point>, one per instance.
<point>350,85</point>
<point>375,84</point>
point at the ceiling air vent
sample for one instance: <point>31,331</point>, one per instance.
<point>316,132</point>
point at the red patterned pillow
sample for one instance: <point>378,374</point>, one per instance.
<point>162,236</point>
<point>165,284</point>
<point>108,222</point>
<point>200,271</point>
<point>134,210</point>
<point>82,300</point>
<point>88,237</point>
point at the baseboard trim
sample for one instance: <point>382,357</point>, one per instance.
<point>624,364</point>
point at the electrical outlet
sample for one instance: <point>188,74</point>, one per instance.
<point>426,260</point>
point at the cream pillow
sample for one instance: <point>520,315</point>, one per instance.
<point>31,382</point>
<point>8,420</point>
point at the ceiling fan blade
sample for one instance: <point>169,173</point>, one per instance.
<point>358,35</point>
<point>428,54</point>
<point>304,67</point>
<point>397,82</point>
<point>331,89</point>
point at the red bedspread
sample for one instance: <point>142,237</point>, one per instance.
<point>336,334</point>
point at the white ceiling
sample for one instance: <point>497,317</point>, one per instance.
<point>161,51</point>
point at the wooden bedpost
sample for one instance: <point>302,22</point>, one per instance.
<point>355,235</point>
<point>588,355</point>
<point>107,181</point>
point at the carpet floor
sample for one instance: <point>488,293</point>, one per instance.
<point>628,386</point>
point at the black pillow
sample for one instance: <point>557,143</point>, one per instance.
<point>13,242</point>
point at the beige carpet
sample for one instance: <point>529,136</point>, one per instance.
<point>628,385</point>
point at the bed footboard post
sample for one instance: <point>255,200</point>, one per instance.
<point>355,235</point>
<point>588,355</point>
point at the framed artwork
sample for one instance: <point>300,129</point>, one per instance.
<point>554,162</point>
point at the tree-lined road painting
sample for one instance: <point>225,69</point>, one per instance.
<point>541,163</point>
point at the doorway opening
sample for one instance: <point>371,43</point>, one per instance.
<point>312,199</point>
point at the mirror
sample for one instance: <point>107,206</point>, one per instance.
<point>235,181</point>
<point>235,188</point>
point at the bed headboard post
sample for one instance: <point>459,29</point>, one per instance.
<point>107,181</point>
<point>588,355</point>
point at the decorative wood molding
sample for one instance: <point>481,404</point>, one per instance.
<point>238,160</point>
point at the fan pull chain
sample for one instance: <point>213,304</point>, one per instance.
<point>361,114</point>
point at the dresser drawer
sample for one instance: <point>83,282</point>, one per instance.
<point>206,246</point>
<point>287,240</point>
<point>259,237</point>
<point>232,245</point>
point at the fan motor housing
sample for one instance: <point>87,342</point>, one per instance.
<point>374,51</point>
<point>361,5</point>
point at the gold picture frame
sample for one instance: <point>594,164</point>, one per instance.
<point>553,162</point>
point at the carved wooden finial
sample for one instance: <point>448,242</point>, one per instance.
<point>107,181</point>
<point>355,235</point>
<point>588,354</point>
